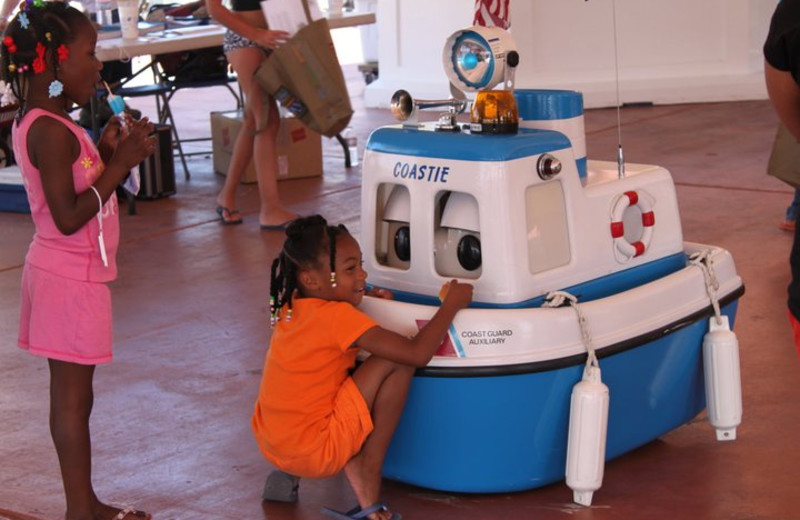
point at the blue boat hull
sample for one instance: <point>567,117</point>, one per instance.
<point>502,433</point>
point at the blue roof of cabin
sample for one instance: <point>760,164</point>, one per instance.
<point>548,105</point>
<point>465,146</point>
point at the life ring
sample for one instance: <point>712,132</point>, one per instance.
<point>627,249</point>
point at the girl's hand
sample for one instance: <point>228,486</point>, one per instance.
<point>378,292</point>
<point>456,293</point>
<point>271,39</point>
<point>109,138</point>
<point>136,144</point>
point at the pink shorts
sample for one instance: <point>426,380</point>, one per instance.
<point>64,319</point>
<point>796,330</point>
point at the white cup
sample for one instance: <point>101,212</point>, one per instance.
<point>335,7</point>
<point>129,18</point>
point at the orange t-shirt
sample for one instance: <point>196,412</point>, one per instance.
<point>307,365</point>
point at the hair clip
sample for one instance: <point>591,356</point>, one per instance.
<point>23,20</point>
<point>63,53</point>
<point>48,36</point>
<point>8,41</point>
<point>55,89</point>
<point>38,62</point>
<point>11,67</point>
<point>333,278</point>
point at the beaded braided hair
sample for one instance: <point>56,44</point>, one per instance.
<point>36,36</point>
<point>307,240</point>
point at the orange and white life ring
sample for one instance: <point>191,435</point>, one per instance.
<point>643,201</point>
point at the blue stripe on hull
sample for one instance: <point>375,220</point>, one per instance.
<point>586,291</point>
<point>509,433</point>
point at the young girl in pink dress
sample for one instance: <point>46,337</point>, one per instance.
<point>48,58</point>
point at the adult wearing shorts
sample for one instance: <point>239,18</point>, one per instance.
<point>247,44</point>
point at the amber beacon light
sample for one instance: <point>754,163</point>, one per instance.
<point>476,60</point>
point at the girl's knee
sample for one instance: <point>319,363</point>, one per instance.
<point>405,370</point>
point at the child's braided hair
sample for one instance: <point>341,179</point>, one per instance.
<point>39,25</point>
<point>307,239</point>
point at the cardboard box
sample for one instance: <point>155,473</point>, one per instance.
<point>299,148</point>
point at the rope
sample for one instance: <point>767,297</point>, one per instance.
<point>556,299</point>
<point>702,260</point>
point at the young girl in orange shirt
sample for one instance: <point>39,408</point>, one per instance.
<point>317,413</point>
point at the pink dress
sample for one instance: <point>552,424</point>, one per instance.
<point>66,305</point>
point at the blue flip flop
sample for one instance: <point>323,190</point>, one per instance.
<point>276,227</point>
<point>229,217</point>
<point>357,513</point>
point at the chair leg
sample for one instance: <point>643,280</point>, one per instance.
<point>165,114</point>
<point>237,97</point>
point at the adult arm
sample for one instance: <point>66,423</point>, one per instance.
<point>784,93</point>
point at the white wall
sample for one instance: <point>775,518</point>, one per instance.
<point>669,51</point>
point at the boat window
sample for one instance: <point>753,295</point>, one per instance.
<point>393,226</point>
<point>548,234</point>
<point>457,235</point>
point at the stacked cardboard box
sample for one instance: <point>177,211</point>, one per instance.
<point>299,148</point>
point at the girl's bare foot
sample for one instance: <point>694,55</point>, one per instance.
<point>365,482</point>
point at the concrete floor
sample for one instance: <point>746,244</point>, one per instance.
<point>171,419</point>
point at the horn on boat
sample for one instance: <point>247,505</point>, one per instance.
<point>403,105</point>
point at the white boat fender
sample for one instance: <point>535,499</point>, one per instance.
<point>586,445</point>
<point>721,366</point>
<point>588,418</point>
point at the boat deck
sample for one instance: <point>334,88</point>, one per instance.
<point>170,426</point>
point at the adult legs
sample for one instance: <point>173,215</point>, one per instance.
<point>256,140</point>
<point>243,147</point>
<point>384,385</point>
<point>71,399</point>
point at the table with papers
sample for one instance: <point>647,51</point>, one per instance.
<point>177,39</point>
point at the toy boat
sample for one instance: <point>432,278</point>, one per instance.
<point>520,216</point>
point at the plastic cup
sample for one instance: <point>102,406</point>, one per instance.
<point>335,7</point>
<point>129,18</point>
